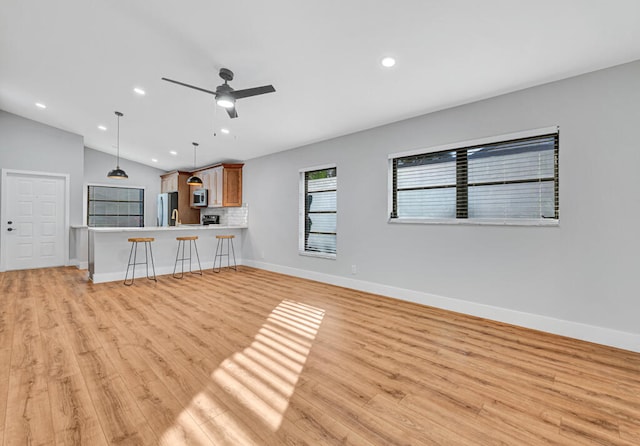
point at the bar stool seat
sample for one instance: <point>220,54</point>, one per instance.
<point>220,252</point>
<point>192,241</point>
<point>141,239</point>
<point>148,253</point>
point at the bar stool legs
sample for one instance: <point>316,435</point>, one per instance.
<point>134,252</point>
<point>220,252</point>
<point>182,240</point>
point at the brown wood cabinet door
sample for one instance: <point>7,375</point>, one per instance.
<point>232,186</point>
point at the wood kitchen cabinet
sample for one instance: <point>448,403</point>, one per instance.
<point>232,185</point>
<point>169,182</point>
<point>223,183</point>
<point>176,181</point>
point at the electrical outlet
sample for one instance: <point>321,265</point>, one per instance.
<point>262,255</point>
<point>354,269</point>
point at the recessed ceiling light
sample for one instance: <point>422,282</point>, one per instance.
<point>154,160</point>
<point>103,128</point>
<point>139,91</point>
<point>40,105</point>
<point>225,131</point>
<point>388,62</point>
<point>173,152</point>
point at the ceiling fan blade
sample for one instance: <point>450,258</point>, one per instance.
<point>190,86</point>
<point>239,94</point>
<point>232,112</point>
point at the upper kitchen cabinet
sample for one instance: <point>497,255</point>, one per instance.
<point>223,183</point>
<point>232,184</point>
<point>169,181</point>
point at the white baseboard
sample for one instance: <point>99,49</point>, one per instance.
<point>141,272</point>
<point>576,330</point>
<point>78,264</point>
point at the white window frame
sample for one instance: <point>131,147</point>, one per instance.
<point>458,145</point>
<point>301,213</point>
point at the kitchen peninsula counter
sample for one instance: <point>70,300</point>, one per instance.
<point>109,249</point>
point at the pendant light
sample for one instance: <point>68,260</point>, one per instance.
<point>117,173</point>
<point>194,180</point>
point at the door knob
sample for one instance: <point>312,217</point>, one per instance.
<point>9,229</point>
<point>9,222</point>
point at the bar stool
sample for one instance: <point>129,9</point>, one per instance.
<point>220,248</point>
<point>192,241</point>
<point>134,252</point>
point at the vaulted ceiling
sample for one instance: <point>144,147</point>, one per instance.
<point>83,59</point>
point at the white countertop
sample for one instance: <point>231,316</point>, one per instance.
<point>170,228</point>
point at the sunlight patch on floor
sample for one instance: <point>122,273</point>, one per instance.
<point>262,377</point>
<point>184,431</point>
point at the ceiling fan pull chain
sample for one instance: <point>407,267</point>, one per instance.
<point>215,115</point>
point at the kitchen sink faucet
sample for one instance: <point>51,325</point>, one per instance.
<point>176,215</point>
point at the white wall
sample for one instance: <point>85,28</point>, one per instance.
<point>98,164</point>
<point>577,279</point>
<point>33,146</point>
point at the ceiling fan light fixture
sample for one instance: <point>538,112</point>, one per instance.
<point>225,96</point>
<point>225,101</point>
<point>117,173</point>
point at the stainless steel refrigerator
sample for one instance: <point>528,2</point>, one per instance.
<point>166,204</point>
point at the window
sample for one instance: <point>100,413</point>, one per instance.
<point>318,211</point>
<point>509,181</point>
<point>115,206</point>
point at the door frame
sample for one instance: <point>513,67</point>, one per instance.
<point>3,209</point>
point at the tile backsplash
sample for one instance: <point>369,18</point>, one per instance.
<point>231,216</point>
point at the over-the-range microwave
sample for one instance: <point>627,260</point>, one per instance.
<point>200,198</point>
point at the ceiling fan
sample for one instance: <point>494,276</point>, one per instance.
<point>225,95</point>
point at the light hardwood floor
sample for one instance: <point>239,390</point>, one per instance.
<point>257,358</point>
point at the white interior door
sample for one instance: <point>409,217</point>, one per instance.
<point>34,223</point>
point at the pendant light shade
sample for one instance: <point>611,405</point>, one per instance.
<point>117,173</point>
<point>193,180</point>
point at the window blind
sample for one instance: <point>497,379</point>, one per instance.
<point>320,216</point>
<point>515,179</point>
